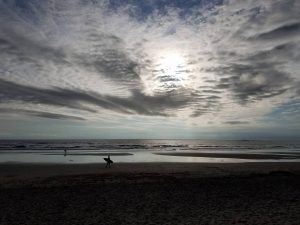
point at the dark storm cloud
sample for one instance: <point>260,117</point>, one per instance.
<point>39,114</point>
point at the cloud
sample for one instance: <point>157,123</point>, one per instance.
<point>280,32</point>
<point>286,114</point>
<point>119,56</point>
<point>254,82</point>
<point>39,114</point>
<point>236,122</point>
<point>135,103</point>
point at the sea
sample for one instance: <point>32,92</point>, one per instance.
<point>138,150</point>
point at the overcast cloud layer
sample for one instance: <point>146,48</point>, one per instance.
<point>203,64</point>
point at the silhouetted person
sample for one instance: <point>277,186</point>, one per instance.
<point>108,161</point>
<point>65,152</point>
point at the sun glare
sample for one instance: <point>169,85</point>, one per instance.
<point>171,67</point>
<point>171,62</point>
<point>170,71</point>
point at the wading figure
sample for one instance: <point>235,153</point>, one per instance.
<point>108,161</point>
<point>65,152</point>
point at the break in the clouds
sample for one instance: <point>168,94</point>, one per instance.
<point>203,64</point>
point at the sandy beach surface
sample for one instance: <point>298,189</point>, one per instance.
<point>150,193</point>
<point>235,155</point>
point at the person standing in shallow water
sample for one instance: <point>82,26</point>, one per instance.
<point>65,152</point>
<point>108,161</point>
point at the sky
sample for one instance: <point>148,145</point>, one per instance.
<point>218,69</point>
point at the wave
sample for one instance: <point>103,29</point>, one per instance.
<point>150,145</point>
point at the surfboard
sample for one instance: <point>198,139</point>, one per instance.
<point>108,160</point>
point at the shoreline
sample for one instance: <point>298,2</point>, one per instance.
<point>288,155</point>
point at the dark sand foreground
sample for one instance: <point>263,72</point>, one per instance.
<point>153,193</point>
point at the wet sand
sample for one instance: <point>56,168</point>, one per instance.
<point>150,193</point>
<point>235,155</point>
<point>93,154</point>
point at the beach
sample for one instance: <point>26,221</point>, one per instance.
<point>150,193</point>
<point>149,112</point>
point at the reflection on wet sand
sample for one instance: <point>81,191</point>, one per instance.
<point>233,155</point>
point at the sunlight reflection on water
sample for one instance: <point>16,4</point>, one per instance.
<point>80,157</point>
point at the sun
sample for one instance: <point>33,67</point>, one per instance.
<point>171,62</point>
<point>171,69</point>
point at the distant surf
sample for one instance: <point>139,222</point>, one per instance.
<point>136,151</point>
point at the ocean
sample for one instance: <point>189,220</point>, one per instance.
<point>137,150</point>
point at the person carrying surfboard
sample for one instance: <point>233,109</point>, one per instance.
<point>108,161</point>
